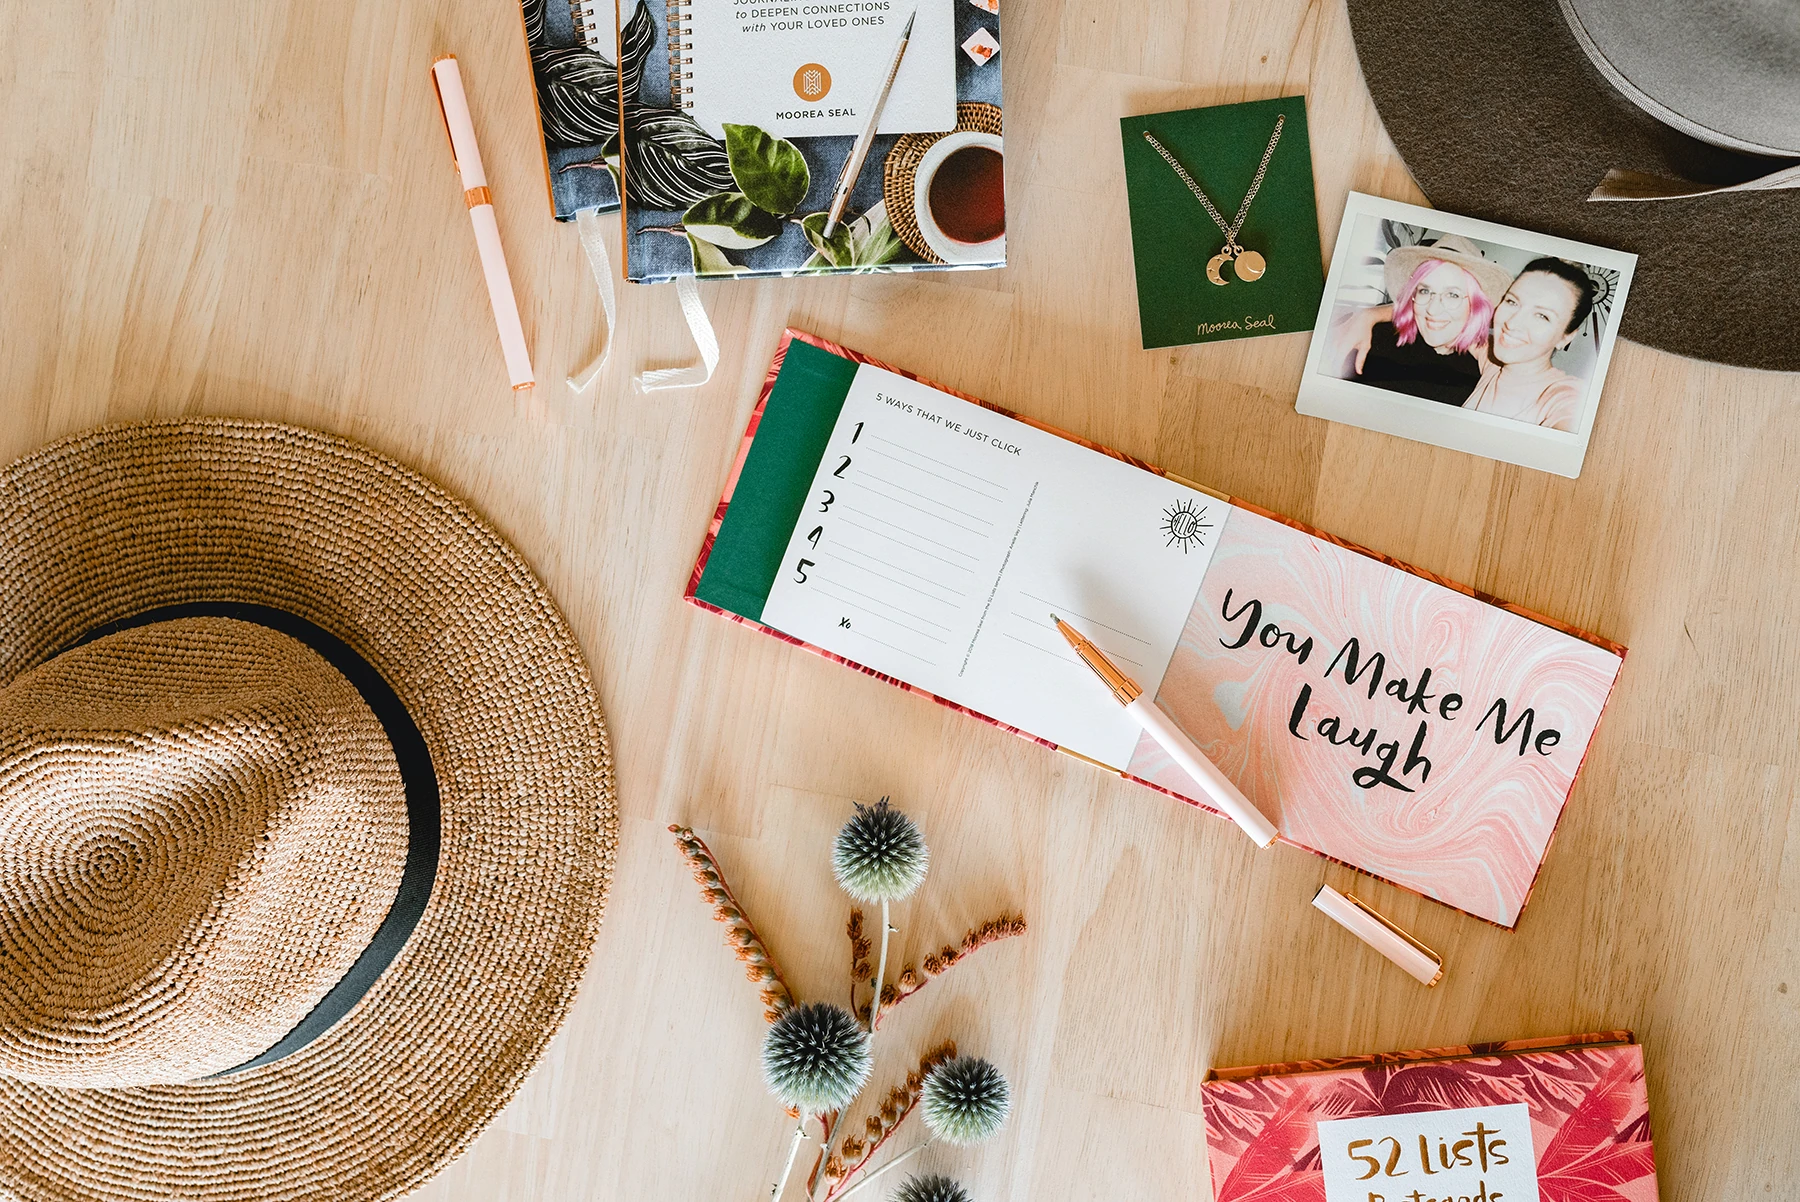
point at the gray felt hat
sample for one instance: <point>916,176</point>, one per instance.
<point>1501,114</point>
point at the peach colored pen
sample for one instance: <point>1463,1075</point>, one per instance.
<point>465,156</point>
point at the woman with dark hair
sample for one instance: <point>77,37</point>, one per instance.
<point>1537,317</point>
<point>1430,342</point>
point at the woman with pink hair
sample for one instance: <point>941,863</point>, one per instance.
<point>1433,343</point>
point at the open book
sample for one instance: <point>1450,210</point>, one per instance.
<point>1379,716</point>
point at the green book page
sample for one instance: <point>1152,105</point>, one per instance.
<point>795,426</point>
<point>1173,237</point>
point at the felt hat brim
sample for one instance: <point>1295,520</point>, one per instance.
<point>127,519</point>
<point>1500,115</point>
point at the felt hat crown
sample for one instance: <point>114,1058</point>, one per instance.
<point>204,826</point>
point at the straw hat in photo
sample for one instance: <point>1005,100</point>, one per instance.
<point>306,818</point>
<point>1402,261</point>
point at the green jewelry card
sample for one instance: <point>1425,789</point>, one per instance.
<point>1173,238</point>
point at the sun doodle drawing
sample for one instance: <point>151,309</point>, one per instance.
<point>1185,525</point>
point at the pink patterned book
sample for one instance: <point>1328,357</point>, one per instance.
<point>1381,716</point>
<point>1556,1120</point>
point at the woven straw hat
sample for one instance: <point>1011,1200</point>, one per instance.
<point>306,818</point>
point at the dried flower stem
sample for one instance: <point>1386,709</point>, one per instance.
<point>895,1163</point>
<point>887,928</point>
<point>881,1126</point>
<point>859,950</point>
<point>741,935</point>
<point>859,956</point>
<point>911,980</point>
<point>793,1151</point>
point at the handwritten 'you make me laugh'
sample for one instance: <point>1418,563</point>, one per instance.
<point>1408,698</point>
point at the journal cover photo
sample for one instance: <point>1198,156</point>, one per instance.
<point>743,124</point>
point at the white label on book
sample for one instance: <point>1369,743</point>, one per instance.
<point>1470,1154</point>
<point>939,537</point>
<point>816,68</point>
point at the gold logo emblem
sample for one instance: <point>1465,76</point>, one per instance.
<point>811,82</point>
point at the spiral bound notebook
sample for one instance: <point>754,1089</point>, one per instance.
<point>740,121</point>
<point>1388,719</point>
<point>571,44</point>
<point>790,71</point>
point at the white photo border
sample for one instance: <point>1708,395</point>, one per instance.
<point>1510,441</point>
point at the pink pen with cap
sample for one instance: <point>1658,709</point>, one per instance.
<point>465,156</point>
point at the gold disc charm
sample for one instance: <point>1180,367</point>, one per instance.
<point>1249,266</point>
<point>1212,268</point>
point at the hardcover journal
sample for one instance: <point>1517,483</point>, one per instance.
<point>1539,1120</point>
<point>1380,716</point>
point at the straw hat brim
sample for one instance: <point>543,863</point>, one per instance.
<point>117,521</point>
<point>1490,277</point>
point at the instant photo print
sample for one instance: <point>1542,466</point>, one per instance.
<point>1465,334</point>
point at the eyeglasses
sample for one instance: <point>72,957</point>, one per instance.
<point>1425,294</point>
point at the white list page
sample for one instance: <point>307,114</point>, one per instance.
<point>939,537</point>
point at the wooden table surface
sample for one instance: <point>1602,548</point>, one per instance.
<point>222,207</point>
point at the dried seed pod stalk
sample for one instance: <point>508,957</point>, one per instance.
<point>860,947</point>
<point>741,936</point>
<point>881,1123</point>
<point>912,979</point>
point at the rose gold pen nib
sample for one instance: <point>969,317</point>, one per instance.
<point>1124,689</point>
<point>1219,792</point>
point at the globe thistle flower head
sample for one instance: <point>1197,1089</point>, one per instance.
<point>816,1057</point>
<point>966,1099</point>
<point>935,1188</point>
<point>879,854</point>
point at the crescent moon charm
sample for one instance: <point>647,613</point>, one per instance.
<point>1212,268</point>
<point>1249,266</point>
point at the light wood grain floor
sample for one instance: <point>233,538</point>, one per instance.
<point>246,207</point>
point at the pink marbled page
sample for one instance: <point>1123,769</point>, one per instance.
<point>1475,825</point>
<point>1590,1116</point>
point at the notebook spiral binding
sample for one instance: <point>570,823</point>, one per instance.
<point>589,26</point>
<point>677,59</point>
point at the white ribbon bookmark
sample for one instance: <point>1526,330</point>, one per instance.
<point>593,243</point>
<point>704,337</point>
<point>587,224</point>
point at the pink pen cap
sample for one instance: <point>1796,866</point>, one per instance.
<point>1419,961</point>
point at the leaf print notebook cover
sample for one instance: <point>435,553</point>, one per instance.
<point>1382,717</point>
<point>577,92</point>
<point>1556,1120</point>
<point>740,121</point>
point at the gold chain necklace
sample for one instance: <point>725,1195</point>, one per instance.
<point>1246,264</point>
